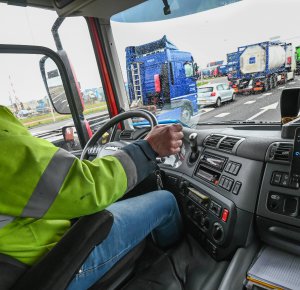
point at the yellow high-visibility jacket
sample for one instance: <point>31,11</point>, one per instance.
<point>42,187</point>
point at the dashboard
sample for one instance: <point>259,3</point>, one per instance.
<point>236,189</point>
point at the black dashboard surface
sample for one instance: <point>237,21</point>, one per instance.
<point>254,176</point>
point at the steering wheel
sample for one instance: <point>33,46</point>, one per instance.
<point>110,147</point>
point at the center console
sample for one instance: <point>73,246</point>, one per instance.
<point>212,194</point>
<point>211,219</point>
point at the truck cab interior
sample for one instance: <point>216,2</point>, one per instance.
<point>236,179</point>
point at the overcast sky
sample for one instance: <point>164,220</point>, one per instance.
<point>208,35</point>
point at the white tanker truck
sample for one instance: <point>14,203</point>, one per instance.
<point>262,66</point>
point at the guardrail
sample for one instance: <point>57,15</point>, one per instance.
<point>55,136</point>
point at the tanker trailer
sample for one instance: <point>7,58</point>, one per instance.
<point>263,66</point>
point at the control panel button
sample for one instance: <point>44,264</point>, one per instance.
<point>230,183</point>
<point>276,178</point>
<point>236,169</point>
<point>227,168</point>
<point>222,180</point>
<point>236,188</point>
<point>225,215</point>
<point>215,208</point>
<point>284,179</point>
<point>226,182</point>
<point>233,167</point>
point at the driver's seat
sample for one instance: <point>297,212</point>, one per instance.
<point>56,269</point>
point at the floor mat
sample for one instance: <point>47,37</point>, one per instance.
<point>184,267</point>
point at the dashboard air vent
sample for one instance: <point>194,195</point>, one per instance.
<point>228,143</point>
<point>280,151</point>
<point>212,140</point>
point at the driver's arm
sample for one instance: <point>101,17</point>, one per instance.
<point>40,180</point>
<point>44,181</point>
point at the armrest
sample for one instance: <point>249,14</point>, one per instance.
<point>57,268</point>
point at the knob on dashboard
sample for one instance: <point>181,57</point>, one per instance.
<point>205,223</point>
<point>217,232</point>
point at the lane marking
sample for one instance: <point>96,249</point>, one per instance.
<point>249,102</point>
<point>206,110</point>
<point>263,110</point>
<point>281,88</point>
<point>292,83</point>
<point>267,94</point>
<point>222,115</point>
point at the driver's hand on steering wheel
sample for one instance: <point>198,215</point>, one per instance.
<point>165,139</point>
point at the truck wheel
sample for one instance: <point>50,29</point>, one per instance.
<point>186,114</point>
<point>271,83</point>
<point>266,85</point>
<point>218,103</point>
<point>275,81</point>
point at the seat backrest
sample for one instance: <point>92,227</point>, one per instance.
<point>10,271</point>
<point>56,269</point>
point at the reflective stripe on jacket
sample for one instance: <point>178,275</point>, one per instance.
<point>42,187</point>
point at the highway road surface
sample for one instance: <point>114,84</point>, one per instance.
<point>260,107</point>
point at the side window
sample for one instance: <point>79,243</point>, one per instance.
<point>225,87</point>
<point>179,70</point>
<point>188,68</point>
<point>25,94</point>
<point>79,48</point>
<point>219,87</point>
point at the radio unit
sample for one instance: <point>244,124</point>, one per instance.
<point>209,219</point>
<point>210,167</point>
<point>213,161</point>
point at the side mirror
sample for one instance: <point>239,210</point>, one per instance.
<point>196,68</point>
<point>289,104</point>
<point>68,133</point>
<point>289,109</point>
<point>71,138</point>
<point>54,85</point>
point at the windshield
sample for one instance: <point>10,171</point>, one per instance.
<point>205,90</point>
<point>247,46</point>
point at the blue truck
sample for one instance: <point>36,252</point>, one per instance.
<point>261,66</point>
<point>161,75</point>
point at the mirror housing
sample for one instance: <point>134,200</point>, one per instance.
<point>289,104</point>
<point>71,139</point>
<point>54,86</point>
<point>47,74</point>
<point>68,133</point>
<point>289,109</point>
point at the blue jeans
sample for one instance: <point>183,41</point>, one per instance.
<point>134,219</point>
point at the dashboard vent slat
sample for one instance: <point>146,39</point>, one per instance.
<point>228,143</point>
<point>213,140</point>
<point>280,151</point>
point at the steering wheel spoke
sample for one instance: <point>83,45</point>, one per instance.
<point>107,149</point>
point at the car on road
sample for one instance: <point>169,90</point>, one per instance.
<point>215,94</point>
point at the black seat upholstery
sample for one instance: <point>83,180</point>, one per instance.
<point>56,269</point>
<point>10,271</point>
